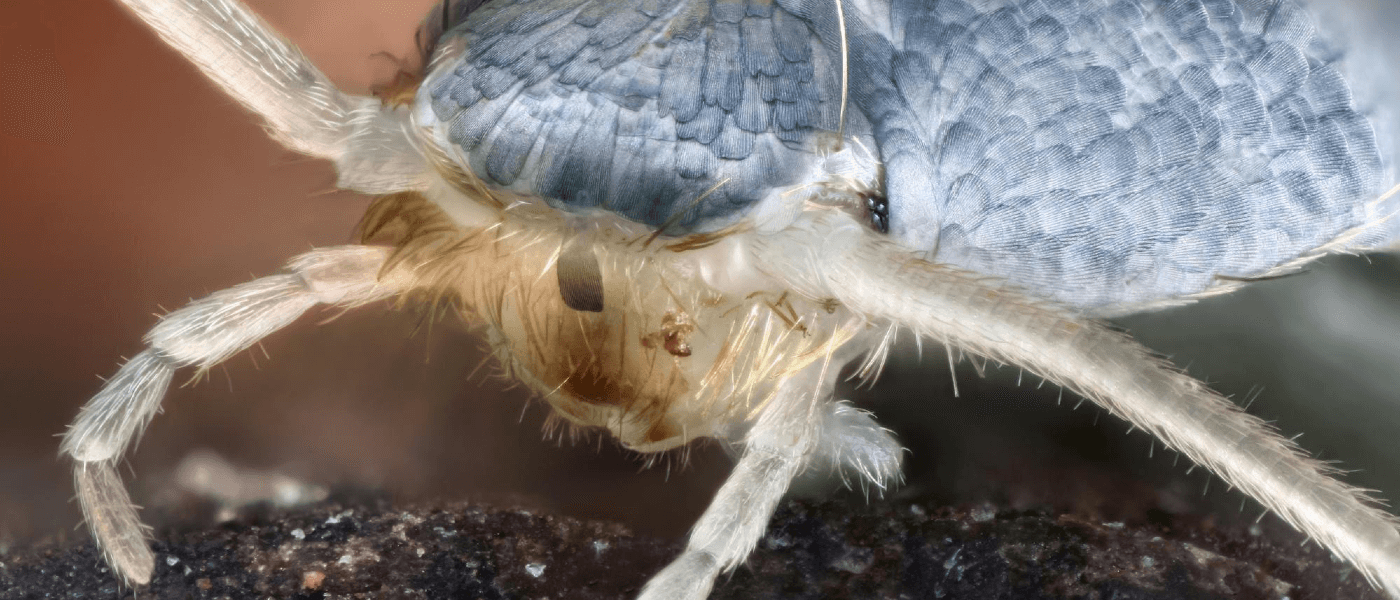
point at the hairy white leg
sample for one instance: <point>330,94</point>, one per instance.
<point>776,449</point>
<point>856,447</point>
<point>201,334</point>
<point>882,281</point>
<point>371,145</point>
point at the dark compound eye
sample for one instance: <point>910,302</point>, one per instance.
<point>879,209</point>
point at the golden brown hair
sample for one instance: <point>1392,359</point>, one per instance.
<point>666,359</point>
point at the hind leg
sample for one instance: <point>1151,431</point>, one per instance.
<point>202,334</point>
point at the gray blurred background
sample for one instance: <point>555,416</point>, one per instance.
<point>130,184</point>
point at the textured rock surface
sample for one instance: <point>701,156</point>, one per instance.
<point>369,549</point>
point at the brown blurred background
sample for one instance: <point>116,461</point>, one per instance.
<point>131,184</point>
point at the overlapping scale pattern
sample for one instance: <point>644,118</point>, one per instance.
<point>1114,154</point>
<point>637,106</point>
<point>1108,154</point>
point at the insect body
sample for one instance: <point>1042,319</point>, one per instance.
<point>678,220</point>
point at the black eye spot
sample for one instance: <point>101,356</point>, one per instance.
<point>879,208</point>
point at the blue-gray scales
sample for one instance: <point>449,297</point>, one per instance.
<point>1106,154</point>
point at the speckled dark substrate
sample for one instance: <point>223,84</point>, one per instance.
<point>812,550</point>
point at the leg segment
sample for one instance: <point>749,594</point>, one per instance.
<point>201,334</point>
<point>857,448</point>
<point>776,449</point>
<point>882,281</point>
<point>372,147</point>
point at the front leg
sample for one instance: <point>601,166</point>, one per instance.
<point>777,448</point>
<point>201,335</point>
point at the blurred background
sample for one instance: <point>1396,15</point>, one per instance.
<point>130,184</point>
